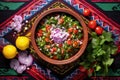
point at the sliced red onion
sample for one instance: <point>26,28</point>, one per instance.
<point>14,64</point>
<point>21,68</point>
<point>59,35</point>
<point>25,59</point>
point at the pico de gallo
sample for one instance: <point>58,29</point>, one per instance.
<point>59,36</point>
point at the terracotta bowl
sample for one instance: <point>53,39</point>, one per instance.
<point>74,57</point>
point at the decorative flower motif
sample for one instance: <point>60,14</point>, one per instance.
<point>17,23</point>
<point>18,18</point>
<point>58,35</point>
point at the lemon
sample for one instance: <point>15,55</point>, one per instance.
<point>9,51</point>
<point>22,42</point>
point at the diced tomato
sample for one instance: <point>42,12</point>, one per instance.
<point>47,46</point>
<point>75,31</point>
<point>60,21</point>
<point>69,42</point>
<point>75,44</point>
<point>62,51</point>
<point>40,33</point>
<point>47,39</point>
<point>60,45</point>
<point>54,49</point>
<point>70,30</point>
<point>47,27</point>
<point>55,57</point>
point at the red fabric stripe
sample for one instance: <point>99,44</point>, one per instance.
<point>37,74</point>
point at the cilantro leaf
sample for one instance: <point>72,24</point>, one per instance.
<point>108,62</point>
<point>107,36</point>
<point>98,68</point>
<point>95,42</point>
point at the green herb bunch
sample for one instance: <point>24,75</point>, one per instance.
<point>98,53</point>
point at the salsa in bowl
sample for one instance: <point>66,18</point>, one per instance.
<point>59,36</point>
